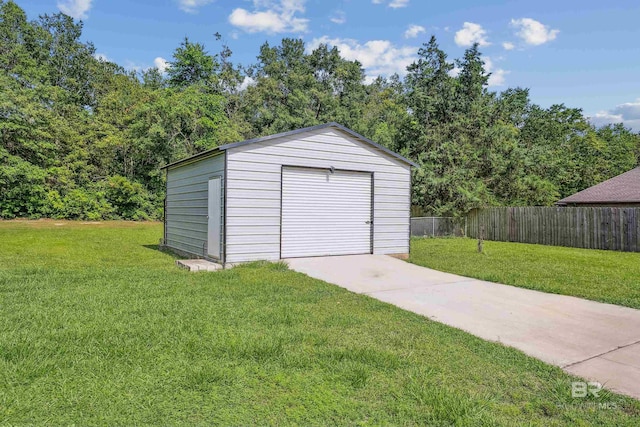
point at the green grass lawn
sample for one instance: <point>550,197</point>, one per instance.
<point>606,276</point>
<point>98,327</point>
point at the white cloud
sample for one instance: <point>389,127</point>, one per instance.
<point>161,64</point>
<point>533,32</point>
<point>454,72</point>
<point>101,57</point>
<point>271,16</point>
<point>398,3</point>
<point>75,8</point>
<point>378,57</point>
<point>248,81</point>
<point>629,110</point>
<point>602,118</point>
<point>471,33</point>
<point>395,4</point>
<point>413,31</point>
<point>627,113</point>
<point>508,46</point>
<point>134,66</point>
<point>497,77</point>
<point>339,17</point>
<point>192,6</point>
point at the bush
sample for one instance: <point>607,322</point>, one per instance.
<point>85,205</point>
<point>24,193</point>
<point>130,200</point>
<point>54,205</point>
<point>22,188</point>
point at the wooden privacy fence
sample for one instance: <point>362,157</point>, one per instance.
<point>585,227</point>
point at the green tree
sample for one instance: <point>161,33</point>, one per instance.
<point>84,138</point>
<point>191,65</point>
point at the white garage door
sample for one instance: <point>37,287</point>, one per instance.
<point>325,213</point>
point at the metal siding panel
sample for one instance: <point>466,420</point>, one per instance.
<point>255,230</point>
<point>390,190</point>
<point>392,214</point>
<point>186,217</point>
<point>185,203</point>
<point>247,184</point>
<point>324,129</point>
<point>253,256</point>
<point>247,164</point>
<point>190,234</point>
<point>240,224</point>
<point>245,239</point>
<point>399,249</point>
<point>195,226</point>
<point>188,193</point>
<point>247,203</point>
<point>195,209</point>
<point>298,148</point>
<point>249,248</point>
<point>392,230</point>
<point>392,220</point>
<point>256,193</point>
<point>252,212</point>
<point>311,159</point>
<point>393,176</point>
<point>193,170</point>
<point>194,246</point>
<point>246,176</point>
<point>237,169</point>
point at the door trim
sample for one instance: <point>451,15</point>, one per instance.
<point>372,225</point>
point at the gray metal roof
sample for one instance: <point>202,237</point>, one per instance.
<point>293,132</point>
<point>624,188</point>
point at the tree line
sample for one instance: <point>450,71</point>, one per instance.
<point>84,138</point>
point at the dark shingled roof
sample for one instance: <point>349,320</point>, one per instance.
<point>623,188</point>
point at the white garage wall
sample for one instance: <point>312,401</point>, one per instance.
<point>253,192</point>
<point>186,215</point>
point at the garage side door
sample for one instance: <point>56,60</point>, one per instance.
<point>325,213</point>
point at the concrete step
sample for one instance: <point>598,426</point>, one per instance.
<point>198,265</point>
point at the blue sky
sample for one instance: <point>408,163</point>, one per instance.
<point>584,54</point>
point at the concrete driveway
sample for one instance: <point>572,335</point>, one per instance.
<point>593,340</point>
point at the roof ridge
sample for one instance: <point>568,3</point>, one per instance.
<point>289,133</point>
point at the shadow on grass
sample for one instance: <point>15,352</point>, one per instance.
<point>163,251</point>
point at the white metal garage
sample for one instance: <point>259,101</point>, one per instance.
<point>323,190</point>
